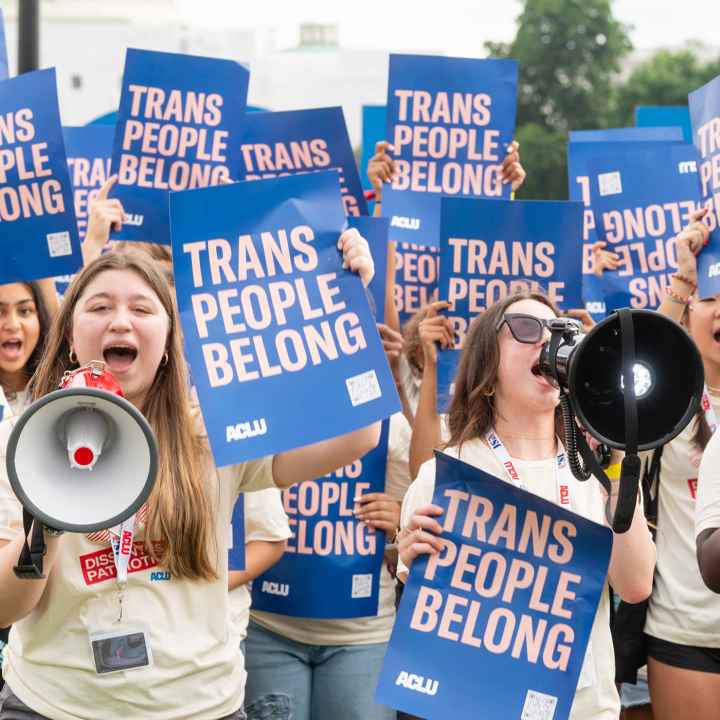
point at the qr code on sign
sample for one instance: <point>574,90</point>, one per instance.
<point>362,586</point>
<point>59,244</point>
<point>538,706</point>
<point>363,388</point>
<point>610,183</point>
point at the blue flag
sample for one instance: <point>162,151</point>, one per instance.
<point>4,74</point>
<point>297,141</point>
<point>236,551</point>
<point>88,151</point>
<point>178,128</point>
<point>584,146</point>
<point>450,121</point>
<point>665,116</point>
<point>331,566</point>
<point>641,199</point>
<point>281,340</point>
<point>417,268</point>
<point>705,115</point>
<point>495,626</point>
<point>39,232</point>
<point>492,248</point>
<point>375,231</point>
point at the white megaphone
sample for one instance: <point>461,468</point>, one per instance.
<point>82,458</point>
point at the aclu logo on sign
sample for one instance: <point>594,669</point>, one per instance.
<point>417,683</point>
<point>273,588</point>
<point>714,270</point>
<point>407,223</point>
<point>135,220</point>
<point>687,166</point>
<point>595,306</point>
<point>245,430</point>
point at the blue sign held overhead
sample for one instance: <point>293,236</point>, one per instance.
<point>178,128</point>
<point>705,114</point>
<point>39,236</point>
<point>375,231</point>
<point>373,131</point>
<point>642,198</point>
<point>584,146</point>
<point>665,115</point>
<point>450,121</point>
<point>268,312</point>
<point>496,624</point>
<point>236,551</point>
<point>417,268</point>
<point>492,248</point>
<point>296,141</point>
<point>329,542</point>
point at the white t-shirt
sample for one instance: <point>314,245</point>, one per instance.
<point>13,404</point>
<point>197,673</point>
<point>599,699</point>
<point>265,520</point>
<point>366,630</point>
<point>681,610</point>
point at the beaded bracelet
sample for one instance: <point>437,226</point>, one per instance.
<point>685,279</point>
<point>674,297</point>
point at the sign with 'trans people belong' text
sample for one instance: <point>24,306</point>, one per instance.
<point>705,117</point>
<point>178,128</point>
<point>496,624</point>
<point>285,143</point>
<point>329,542</point>
<point>38,233</point>
<point>281,340</point>
<point>642,198</point>
<point>450,121</point>
<point>493,248</point>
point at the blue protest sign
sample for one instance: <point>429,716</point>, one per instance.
<point>39,237</point>
<point>329,542</point>
<point>492,248</point>
<point>373,131</point>
<point>88,151</point>
<point>585,145</point>
<point>641,199</point>
<point>236,551</point>
<point>4,74</point>
<point>450,121</point>
<point>178,128</point>
<point>375,231</point>
<point>496,624</point>
<point>665,116</point>
<point>705,115</point>
<point>417,268</point>
<point>299,141</point>
<point>268,312</point>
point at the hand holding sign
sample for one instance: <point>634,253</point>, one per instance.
<point>511,169</point>
<point>104,214</point>
<point>378,510</point>
<point>434,329</point>
<point>689,243</point>
<point>381,167</point>
<point>603,259</point>
<point>420,537</point>
<point>356,255</point>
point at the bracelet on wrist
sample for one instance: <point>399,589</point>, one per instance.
<point>677,298</point>
<point>684,279</point>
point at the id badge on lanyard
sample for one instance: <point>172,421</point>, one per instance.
<point>123,647</point>
<point>562,469</point>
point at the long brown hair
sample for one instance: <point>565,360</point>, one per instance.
<point>472,409</point>
<point>179,509</point>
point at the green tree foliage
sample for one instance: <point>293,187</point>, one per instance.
<point>544,157</point>
<point>666,78</point>
<point>569,52</point>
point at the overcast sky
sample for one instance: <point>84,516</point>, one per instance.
<point>456,27</point>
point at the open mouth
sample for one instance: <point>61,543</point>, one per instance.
<point>11,348</point>
<point>716,335</point>
<point>119,357</point>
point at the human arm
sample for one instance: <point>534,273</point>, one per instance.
<point>49,295</point>
<point>511,168</point>
<point>707,515</point>
<point>104,214</point>
<point>260,556</point>
<point>380,169</point>
<point>426,435</point>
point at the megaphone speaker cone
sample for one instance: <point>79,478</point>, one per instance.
<point>82,459</point>
<point>668,380</point>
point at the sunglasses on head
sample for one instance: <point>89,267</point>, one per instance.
<point>524,328</point>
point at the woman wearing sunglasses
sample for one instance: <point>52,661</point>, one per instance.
<point>498,388</point>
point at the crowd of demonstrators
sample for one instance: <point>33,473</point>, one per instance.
<point>216,657</point>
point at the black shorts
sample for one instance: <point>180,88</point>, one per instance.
<point>688,657</point>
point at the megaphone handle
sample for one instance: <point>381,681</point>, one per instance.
<point>627,494</point>
<point>30,562</point>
